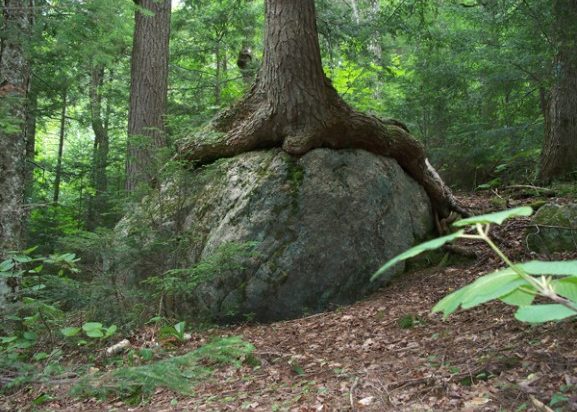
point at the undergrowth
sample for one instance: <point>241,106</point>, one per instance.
<point>179,374</point>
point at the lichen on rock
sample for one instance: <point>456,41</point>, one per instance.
<point>323,223</point>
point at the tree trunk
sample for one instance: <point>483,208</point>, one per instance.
<point>148,91</point>
<point>14,83</point>
<point>31,110</point>
<point>294,105</point>
<point>559,155</point>
<point>98,202</point>
<point>58,177</point>
<point>218,76</point>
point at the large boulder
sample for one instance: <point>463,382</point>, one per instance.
<point>322,223</point>
<point>554,229</point>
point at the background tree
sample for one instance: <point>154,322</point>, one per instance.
<point>14,82</point>
<point>294,105</point>
<point>148,90</point>
<point>559,156</point>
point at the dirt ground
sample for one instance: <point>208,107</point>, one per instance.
<point>386,353</point>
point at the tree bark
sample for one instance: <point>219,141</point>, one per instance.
<point>98,202</point>
<point>148,91</point>
<point>58,178</point>
<point>14,83</point>
<point>294,105</point>
<point>559,154</point>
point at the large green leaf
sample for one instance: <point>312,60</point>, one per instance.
<point>566,287</point>
<point>543,313</point>
<point>6,265</point>
<point>490,287</point>
<point>486,288</point>
<point>520,296</point>
<point>562,268</point>
<point>91,326</point>
<point>69,332</point>
<point>450,303</point>
<point>417,250</point>
<point>497,217</point>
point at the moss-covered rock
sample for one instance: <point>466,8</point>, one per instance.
<point>554,229</point>
<point>323,224</point>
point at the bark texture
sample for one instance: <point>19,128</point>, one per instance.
<point>14,83</point>
<point>62,135</point>
<point>99,124</point>
<point>294,105</point>
<point>148,90</point>
<point>559,155</point>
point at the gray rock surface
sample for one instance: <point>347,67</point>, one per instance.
<point>554,229</point>
<point>323,222</point>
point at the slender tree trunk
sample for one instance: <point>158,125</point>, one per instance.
<point>218,76</point>
<point>294,105</point>
<point>98,204</point>
<point>148,91</point>
<point>58,178</point>
<point>559,155</point>
<point>30,139</point>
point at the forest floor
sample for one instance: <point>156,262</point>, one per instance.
<point>386,353</point>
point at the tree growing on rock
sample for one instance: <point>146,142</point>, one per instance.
<point>293,105</point>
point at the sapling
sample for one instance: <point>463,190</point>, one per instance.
<point>517,284</point>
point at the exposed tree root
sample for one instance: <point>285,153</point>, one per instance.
<point>254,123</point>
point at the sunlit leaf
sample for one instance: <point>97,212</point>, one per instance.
<point>537,267</point>
<point>497,217</point>
<point>543,313</point>
<point>519,297</point>
<point>417,250</point>
<point>69,332</point>
<point>566,287</point>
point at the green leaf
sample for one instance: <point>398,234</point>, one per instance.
<point>40,356</point>
<point>179,328</point>
<point>31,336</point>
<point>111,330</point>
<point>88,326</point>
<point>486,288</point>
<point>6,265</point>
<point>537,267</point>
<point>497,217</point>
<point>490,287</point>
<point>42,399</point>
<point>543,313</point>
<point>417,250</point>
<point>30,250</point>
<point>69,332</point>
<point>519,297</point>
<point>8,339</point>
<point>22,258</point>
<point>94,333</point>
<point>566,287</point>
<point>450,303</point>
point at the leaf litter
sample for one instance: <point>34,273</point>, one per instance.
<point>386,353</point>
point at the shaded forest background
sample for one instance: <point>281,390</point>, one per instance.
<point>467,78</point>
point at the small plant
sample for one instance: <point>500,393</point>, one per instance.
<point>517,284</point>
<point>94,330</point>
<point>176,331</point>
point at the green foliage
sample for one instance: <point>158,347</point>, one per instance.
<point>517,284</point>
<point>176,331</point>
<point>93,330</point>
<point>179,283</point>
<point>179,373</point>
